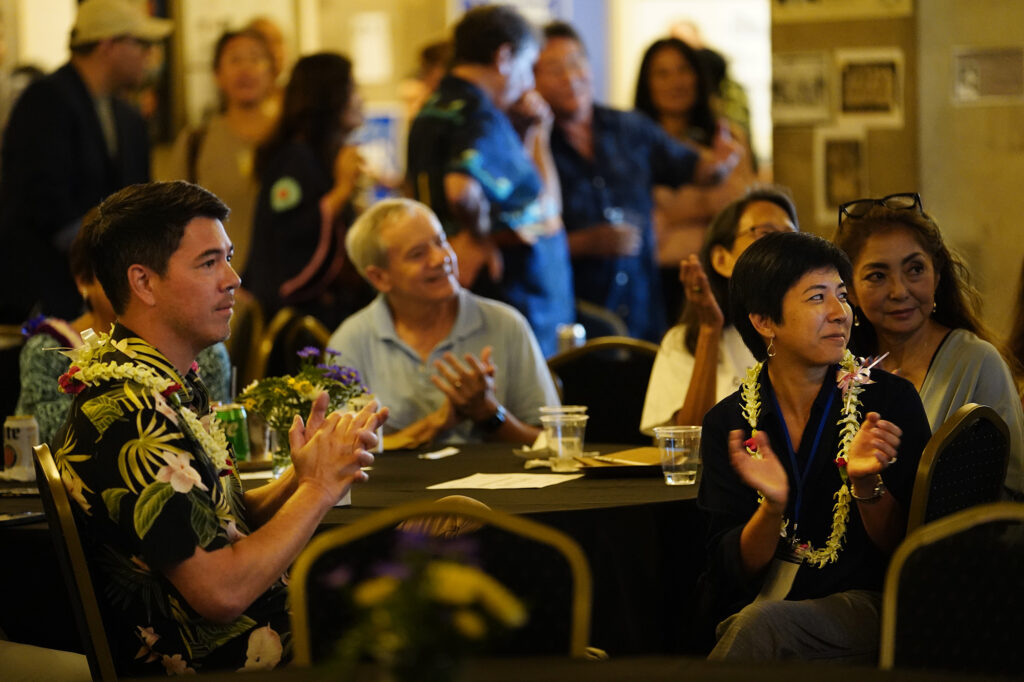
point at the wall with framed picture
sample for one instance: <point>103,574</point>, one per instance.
<point>844,103</point>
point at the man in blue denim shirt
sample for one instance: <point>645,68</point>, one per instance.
<point>608,162</point>
<point>491,180</point>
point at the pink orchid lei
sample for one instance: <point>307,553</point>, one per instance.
<point>851,378</point>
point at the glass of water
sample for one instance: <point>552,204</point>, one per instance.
<point>680,453</point>
<point>564,434</point>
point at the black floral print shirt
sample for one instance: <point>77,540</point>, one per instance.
<point>148,493</point>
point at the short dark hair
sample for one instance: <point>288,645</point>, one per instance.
<point>483,29</point>
<point>143,224</point>
<point>768,269</point>
<point>563,29</point>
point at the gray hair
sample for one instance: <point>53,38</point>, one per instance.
<point>362,242</point>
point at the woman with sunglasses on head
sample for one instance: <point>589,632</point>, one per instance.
<point>914,301</point>
<point>808,468</point>
<point>702,359</point>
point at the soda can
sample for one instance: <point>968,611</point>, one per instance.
<point>21,433</point>
<point>232,417</point>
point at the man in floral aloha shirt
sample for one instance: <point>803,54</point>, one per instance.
<point>189,568</point>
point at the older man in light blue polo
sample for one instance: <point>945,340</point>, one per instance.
<point>451,366</point>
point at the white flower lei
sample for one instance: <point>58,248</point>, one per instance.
<point>851,378</point>
<point>211,438</point>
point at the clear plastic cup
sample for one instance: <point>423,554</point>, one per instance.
<point>680,453</point>
<point>564,434</point>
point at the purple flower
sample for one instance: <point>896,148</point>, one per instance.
<point>309,352</point>
<point>333,353</point>
<point>343,375</point>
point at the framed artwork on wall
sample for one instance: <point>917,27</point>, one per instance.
<point>988,75</point>
<point>870,87</point>
<point>840,170</point>
<point>800,88</point>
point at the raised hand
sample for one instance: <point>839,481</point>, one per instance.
<point>765,475</point>
<point>698,293</point>
<point>469,385</point>
<point>874,447</point>
<point>335,453</point>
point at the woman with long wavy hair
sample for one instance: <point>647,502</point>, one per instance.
<point>914,302</point>
<point>308,172</point>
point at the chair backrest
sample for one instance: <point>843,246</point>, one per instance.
<point>247,325</point>
<point>71,556</point>
<point>372,535</point>
<point>609,375</point>
<point>287,333</point>
<point>953,594</point>
<point>964,464</point>
<point>306,331</point>
<point>270,340</point>
<point>599,321</point>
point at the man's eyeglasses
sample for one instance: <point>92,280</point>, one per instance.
<point>858,208</point>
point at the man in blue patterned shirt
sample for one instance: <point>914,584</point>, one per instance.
<point>479,157</point>
<point>608,163</point>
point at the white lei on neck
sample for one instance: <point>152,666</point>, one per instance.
<point>851,378</point>
<point>91,371</point>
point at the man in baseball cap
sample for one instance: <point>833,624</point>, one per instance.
<point>70,142</point>
<point>100,19</point>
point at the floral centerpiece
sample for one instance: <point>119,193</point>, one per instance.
<point>279,399</point>
<point>421,614</point>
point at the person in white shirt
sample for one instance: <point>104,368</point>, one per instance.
<point>703,359</point>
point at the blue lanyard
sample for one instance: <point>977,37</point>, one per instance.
<point>801,476</point>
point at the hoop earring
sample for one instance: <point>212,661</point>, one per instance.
<point>771,347</point>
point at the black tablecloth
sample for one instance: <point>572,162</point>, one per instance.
<point>643,540</point>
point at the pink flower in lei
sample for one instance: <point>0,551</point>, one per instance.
<point>859,374</point>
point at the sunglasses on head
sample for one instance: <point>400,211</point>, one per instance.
<point>858,208</point>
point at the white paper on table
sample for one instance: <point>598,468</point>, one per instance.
<point>505,481</point>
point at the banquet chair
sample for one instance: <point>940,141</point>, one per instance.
<point>964,464</point>
<point>599,321</point>
<point>243,345</point>
<point>609,375</point>
<point>953,594</point>
<point>71,556</point>
<point>545,568</point>
<point>287,333</point>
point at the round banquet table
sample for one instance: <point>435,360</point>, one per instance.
<point>643,540</point>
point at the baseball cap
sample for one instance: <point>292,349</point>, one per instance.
<point>101,19</point>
